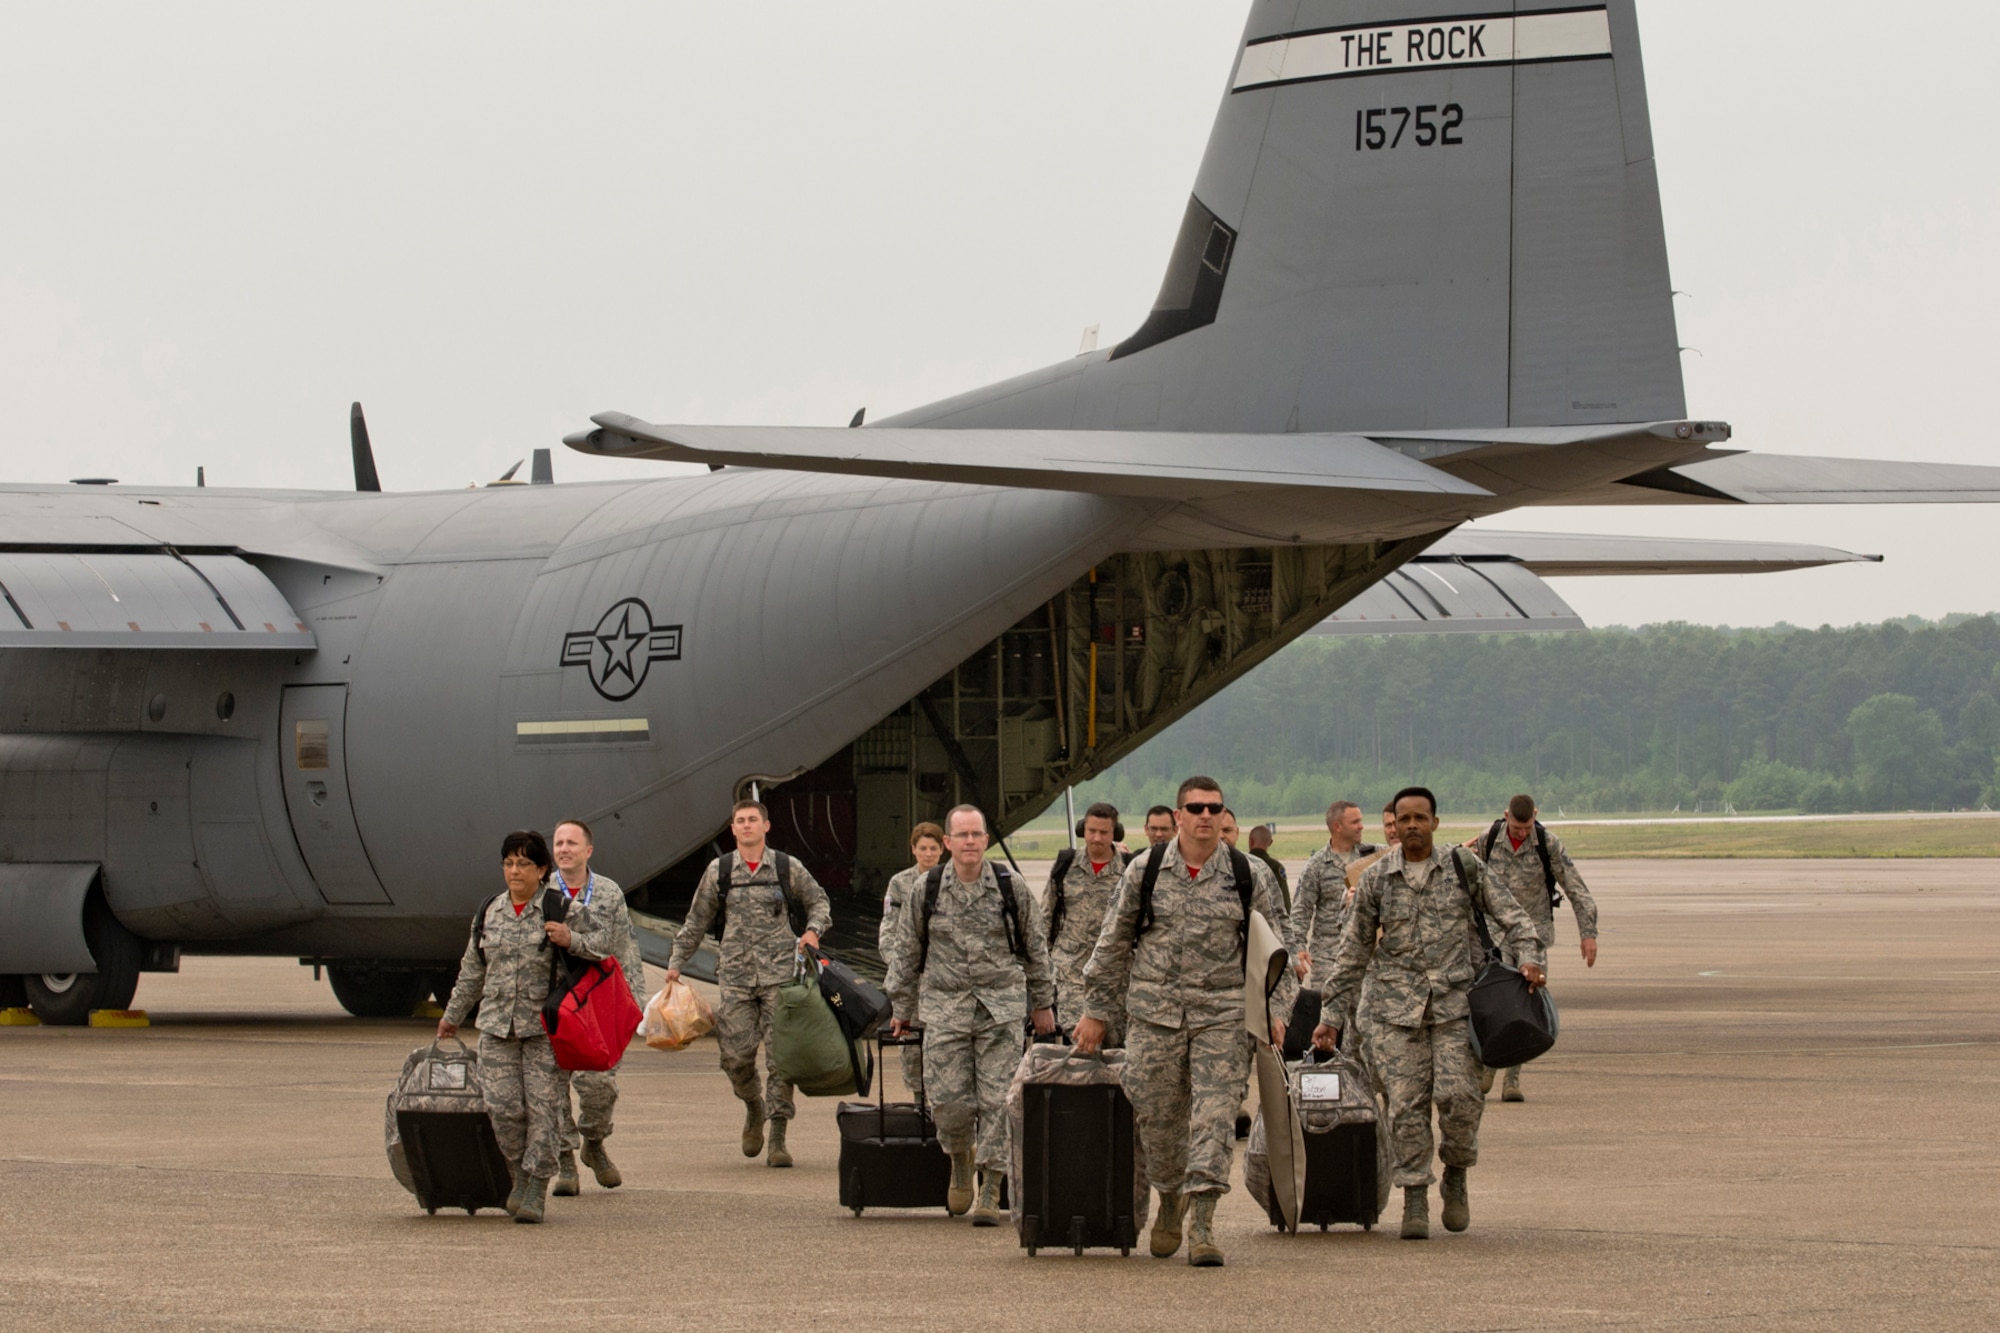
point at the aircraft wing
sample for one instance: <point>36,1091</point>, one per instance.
<point>1482,581</point>
<point>1142,464</point>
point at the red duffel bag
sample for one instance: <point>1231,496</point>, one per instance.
<point>591,1020</point>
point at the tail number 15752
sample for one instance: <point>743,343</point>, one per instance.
<point>1387,126</point>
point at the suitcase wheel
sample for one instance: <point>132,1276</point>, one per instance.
<point>857,1210</point>
<point>472,1212</point>
<point>431,1211</point>
<point>1322,1226</point>
<point>1031,1251</point>
<point>1367,1226</point>
<point>1124,1251</point>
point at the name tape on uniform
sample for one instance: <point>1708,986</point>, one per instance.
<point>1499,39</point>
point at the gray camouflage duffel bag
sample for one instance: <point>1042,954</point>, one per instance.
<point>439,1135</point>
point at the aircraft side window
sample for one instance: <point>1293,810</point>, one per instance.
<point>311,748</point>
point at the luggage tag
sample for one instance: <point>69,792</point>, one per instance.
<point>1319,1085</point>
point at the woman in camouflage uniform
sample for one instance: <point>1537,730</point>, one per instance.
<point>927,845</point>
<point>505,974</point>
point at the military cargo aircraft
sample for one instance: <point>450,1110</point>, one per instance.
<point>1421,279</point>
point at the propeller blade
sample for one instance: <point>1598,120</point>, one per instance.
<point>365,478</point>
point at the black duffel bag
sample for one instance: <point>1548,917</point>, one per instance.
<point>859,1006</point>
<point>1510,1025</point>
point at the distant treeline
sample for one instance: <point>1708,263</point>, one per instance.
<point>1902,715</point>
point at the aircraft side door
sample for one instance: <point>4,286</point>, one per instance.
<point>314,735</point>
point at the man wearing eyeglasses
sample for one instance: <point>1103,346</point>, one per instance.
<point>1172,951</point>
<point>757,954</point>
<point>970,959</point>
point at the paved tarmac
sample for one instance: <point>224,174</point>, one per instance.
<point>1775,1105</point>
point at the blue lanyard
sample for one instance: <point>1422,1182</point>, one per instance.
<point>589,886</point>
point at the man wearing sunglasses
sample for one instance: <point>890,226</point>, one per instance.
<point>1172,951</point>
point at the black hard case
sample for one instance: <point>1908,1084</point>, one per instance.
<point>1341,1184</point>
<point>454,1159</point>
<point>1076,1168</point>
<point>889,1153</point>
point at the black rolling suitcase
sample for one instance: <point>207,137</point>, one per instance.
<point>439,1136</point>
<point>1074,1154</point>
<point>1347,1172</point>
<point>889,1153</point>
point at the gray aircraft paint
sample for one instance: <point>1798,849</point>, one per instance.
<point>1496,312</point>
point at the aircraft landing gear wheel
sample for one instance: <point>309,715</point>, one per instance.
<point>442,981</point>
<point>66,1000</point>
<point>372,992</point>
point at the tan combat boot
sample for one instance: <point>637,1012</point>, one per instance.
<point>1167,1226</point>
<point>608,1176</point>
<point>1416,1212</point>
<point>1457,1205</point>
<point>513,1204</point>
<point>532,1201</point>
<point>958,1197</point>
<point>1486,1073</point>
<point>566,1184</point>
<point>1203,1252</point>
<point>753,1128</point>
<point>986,1213</point>
<point>778,1156</point>
<point>1510,1091</point>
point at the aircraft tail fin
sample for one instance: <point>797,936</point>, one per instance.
<point>1401,222</point>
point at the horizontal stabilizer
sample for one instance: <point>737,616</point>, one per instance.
<point>1162,465</point>
<point>1574,554</point>
<point>1486,581</point>
<point>1790,479</point>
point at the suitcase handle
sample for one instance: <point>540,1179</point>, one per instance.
<point>457,1041</point>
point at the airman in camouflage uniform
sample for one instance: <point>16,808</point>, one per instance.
<point>1181,983</point>
<point>927,845</point>
<point>1420,899</point>
<point>758,954</point>
<point>505,973</point>
<point>985,968</point>
<point>1089,879</point>
<point>1320,902</point>
<point>1513,858</point>
<point>600,926</point>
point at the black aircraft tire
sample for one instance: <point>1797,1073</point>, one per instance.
<point>67,1001</point>
<point>442,981</point>
<point>369,992</point>
<point>13,992</point>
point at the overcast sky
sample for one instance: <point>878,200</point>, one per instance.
<point>221,223</point>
